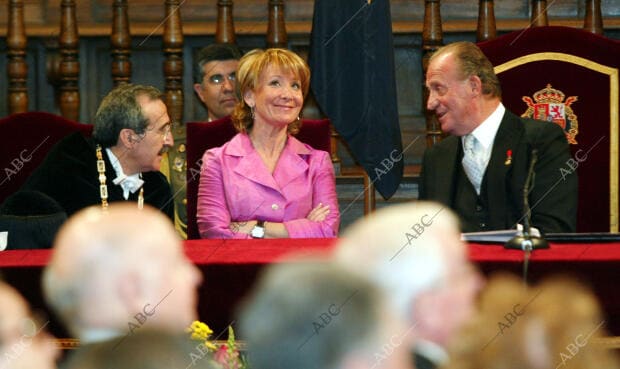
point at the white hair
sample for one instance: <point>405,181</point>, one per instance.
<point>401,248</point>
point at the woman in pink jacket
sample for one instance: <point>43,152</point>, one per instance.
<point>264,183</point>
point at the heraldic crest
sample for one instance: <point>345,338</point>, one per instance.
<point>549,105</point>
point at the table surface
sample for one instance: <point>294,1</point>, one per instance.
<point>204,252</point>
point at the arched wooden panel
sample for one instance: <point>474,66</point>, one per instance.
<point>276,30</point>
<point>121,43</point>
<point>69,68</point>
<point>225,28</point>
<point>539,13</point>
<point>486,21</point>
<point>594,19</point>
<point>432,39</point>
<point>17,69</point>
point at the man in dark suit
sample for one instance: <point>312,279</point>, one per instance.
<point>480,170</point>
<point>120,163</point>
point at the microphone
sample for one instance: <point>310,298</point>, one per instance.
<point>527,242</point>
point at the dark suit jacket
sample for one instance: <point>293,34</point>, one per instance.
<point>553,199</point>
<point>69,175</point>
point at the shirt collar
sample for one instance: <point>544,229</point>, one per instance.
<point>241,145</point>
<point>128,183</point>
<point>486,131</point>
<point>431,351</point>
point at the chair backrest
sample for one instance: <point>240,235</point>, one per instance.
<point>202,136</point>
<point>27,138</point>
<point>569,76</point>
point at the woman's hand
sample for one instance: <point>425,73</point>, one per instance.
<point>242,227</point>
<point>319,213</point>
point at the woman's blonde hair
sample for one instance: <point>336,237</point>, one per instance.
<point>251,66</point>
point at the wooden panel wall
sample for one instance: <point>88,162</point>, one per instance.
<point>94,21</point>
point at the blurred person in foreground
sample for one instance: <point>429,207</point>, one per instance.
<point>113,272</point>
<point>307,314</point>
<point>215,79</point>
<point>414,253</point>
<point>549,326</point>
<point>24,344</point>
<point>264,183</point>
<point>147,349</point>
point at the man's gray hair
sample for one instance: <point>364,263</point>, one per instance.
<point>311,314</point>
<point>120,109</point>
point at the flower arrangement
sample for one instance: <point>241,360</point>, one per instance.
<point>227,355</point>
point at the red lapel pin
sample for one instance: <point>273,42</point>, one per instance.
<point>508,157</point>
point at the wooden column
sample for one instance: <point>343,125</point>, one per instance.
<point>173,63</point>
<point>432,39</point>
<point>276,30</point>
<point>17,69</point>
<point>121,43</point>
<point>486,21</point>
<point>69,68</point>
<point>539,13</point>
<point>225,29</point>
<point>594,19</point>
<point>173,96</point>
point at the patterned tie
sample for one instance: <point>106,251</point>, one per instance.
<point>472,161</point>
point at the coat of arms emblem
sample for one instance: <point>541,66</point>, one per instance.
<point>549,105</point>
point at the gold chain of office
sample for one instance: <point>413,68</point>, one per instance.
<point>103,187</point>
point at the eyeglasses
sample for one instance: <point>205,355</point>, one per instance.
<point>218,79</point>
<point>164,130</point>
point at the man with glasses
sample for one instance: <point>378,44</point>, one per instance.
<point>120,163</point>
<point>214,78</point>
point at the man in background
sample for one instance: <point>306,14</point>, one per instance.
<point>215,79</point>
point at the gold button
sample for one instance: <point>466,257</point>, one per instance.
<point>181,148</point>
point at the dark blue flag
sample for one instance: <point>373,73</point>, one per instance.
<point>353,80</point>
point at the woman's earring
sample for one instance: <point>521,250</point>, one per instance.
<point>252,110</point>
<point>298,118</point>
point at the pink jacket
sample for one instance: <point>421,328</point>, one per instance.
<point>236,186</point>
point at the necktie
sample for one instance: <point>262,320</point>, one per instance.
<point>473,161</point>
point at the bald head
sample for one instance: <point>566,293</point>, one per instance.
<point>109,266</point>
<point>414,252</point>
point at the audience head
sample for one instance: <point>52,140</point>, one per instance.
<point>148,349</point>
<point>272,86</point>
<point>134,120</point>
<point>462,87</point>
<point>414,253</point>
<point>119,269</point>
<point>31,219</point>
<point>23,342</point>
<point>215,78</point>
<point>312,314</point>
<point>552,325</point>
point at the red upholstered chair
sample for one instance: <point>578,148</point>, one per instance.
<point>26,140</point>
<point>202,136</point>
<point>569,76</point>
